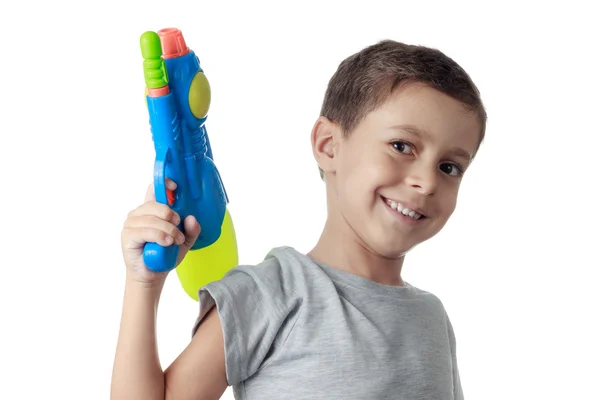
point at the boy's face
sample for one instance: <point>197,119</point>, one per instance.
<point>407,157</point>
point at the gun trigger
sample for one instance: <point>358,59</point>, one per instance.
<point>170,197</point>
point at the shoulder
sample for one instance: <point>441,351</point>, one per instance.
<point>280,260</point>
<point>281,271</point>
<point>428,303</point>
<point>275,282</point>
<point>435,304</point>
<point>258,306</point>
<point>428,297</point>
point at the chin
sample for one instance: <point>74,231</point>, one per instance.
<point>391,249</point>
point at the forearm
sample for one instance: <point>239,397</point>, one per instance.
<point>137,372</point>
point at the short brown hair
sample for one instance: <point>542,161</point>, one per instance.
<point>366,79</point>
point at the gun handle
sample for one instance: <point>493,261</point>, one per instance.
<point>156,257</point>
<point>160,259</point>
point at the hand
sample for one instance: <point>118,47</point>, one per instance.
<point>154,222</point>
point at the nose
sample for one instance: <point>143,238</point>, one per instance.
<point>423,178</point>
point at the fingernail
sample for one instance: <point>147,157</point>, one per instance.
<point>169,240</point>
<point>171,185</point>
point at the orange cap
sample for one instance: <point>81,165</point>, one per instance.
<point>172,43</point>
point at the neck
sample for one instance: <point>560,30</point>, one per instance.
<point>341,248</point>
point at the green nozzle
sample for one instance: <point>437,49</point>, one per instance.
<point>155,71</point>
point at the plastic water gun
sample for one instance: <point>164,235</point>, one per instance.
<point>178,99</point>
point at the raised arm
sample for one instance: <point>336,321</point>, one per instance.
<point>199,372</point>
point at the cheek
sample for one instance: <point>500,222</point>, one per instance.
<point>353,169</point>
<point>448,205</point>
<point>356,186</point>
<point>373,179</point>
<point>377,166</point>
<point>362,173</point>
<point>385,173</point>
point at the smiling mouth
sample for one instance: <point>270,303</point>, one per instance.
<point>408,212</point>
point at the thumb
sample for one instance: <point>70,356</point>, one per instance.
<point>191,230</point>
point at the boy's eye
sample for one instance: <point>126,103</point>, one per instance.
<point>449,169</point>
<point>402,147</point>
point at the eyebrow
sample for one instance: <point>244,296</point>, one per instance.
<point>421,134</point>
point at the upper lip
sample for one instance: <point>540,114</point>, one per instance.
<point>406,204</point>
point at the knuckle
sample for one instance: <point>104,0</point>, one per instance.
<point>127,236</point>
<point>131,219</point>
<point>150,235</point>
<point>175,232</point>
<point>166,212</point>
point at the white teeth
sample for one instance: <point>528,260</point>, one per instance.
<point>405,211</point>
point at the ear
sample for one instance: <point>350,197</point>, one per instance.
<point>324,139</point>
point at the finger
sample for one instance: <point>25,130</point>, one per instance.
<point>157,224</point>
<point>159,210</point>
<point>150,193</point>
<point>135,238</point>
<point>171,185</point>
<point>150,196</point>
<point>191,229</point>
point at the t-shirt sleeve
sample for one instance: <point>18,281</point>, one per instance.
<point>458,392</point>
<point>256,311</point>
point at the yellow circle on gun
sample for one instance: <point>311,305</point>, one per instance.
<point>199,95</point>
<point>203,266</point>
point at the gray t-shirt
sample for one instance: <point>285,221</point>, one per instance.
<point>297,329</point>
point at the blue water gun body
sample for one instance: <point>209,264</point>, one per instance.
<point>178,98</point>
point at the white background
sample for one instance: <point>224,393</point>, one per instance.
<point>516,266</point>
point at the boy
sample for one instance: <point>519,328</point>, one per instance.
<point>399,127</point>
